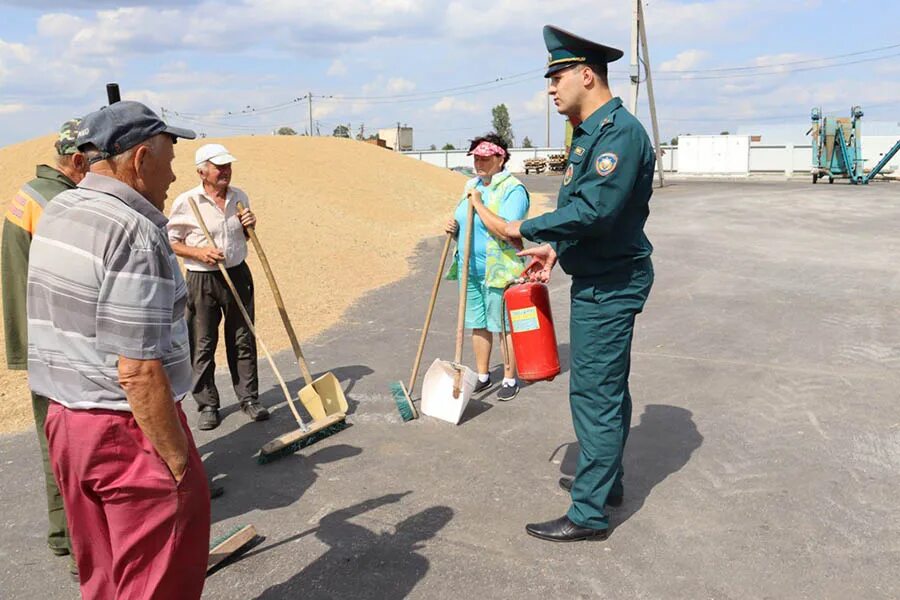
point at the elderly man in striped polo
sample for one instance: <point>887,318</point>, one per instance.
<point>108,344</point>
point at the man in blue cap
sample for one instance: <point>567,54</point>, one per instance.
<point>108,344</point>
<point>597,235</point>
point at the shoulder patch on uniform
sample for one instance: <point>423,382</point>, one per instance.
<point>569,171</point>
<point>606,163</point>
<point>579,150</point>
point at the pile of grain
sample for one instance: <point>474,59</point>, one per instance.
<point>337,218</point>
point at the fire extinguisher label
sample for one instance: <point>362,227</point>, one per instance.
<point>524,319</point>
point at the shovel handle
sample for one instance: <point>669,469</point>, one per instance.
<point>247,319</point>
<point>463,290</point>
<point>434,292</point>
<point>279,302</point>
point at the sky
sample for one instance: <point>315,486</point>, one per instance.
<point>246,66</point>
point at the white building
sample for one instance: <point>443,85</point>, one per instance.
<point>391,134</point>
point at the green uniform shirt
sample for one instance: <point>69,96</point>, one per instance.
<point>598,225</point>
<point>22,215</point>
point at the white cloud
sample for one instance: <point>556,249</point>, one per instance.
<point>12,56</point>
<point>398,85</point>
<point>337,68</point>
<point>19,52</point>
<point>8,109</point>
<point>323,109</point>
<point>684,61</point>
<point>180,74</point>
<point>309,25</point>
<point>59,26</point>
<point>452,104</point>
<point>382,86</point>
<point>537,103</point>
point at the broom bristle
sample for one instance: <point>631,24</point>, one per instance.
<point>288,449</point>
<point>224,537</point>
<point>404,403</point>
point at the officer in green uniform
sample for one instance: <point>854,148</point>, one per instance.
<point>22,215</point>
<point>597,235</point>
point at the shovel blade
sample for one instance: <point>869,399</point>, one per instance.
<point>437,391</point>
<point>324,397</point>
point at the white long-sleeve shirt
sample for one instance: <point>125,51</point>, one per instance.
<point>225,228</point>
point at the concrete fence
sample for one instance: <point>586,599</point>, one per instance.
<point>709,156</point>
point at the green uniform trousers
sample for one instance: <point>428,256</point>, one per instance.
<point>58,534</point>
<point>601,329</point>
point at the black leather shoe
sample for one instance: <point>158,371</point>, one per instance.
<point>564,530</point>
<point>255,410</point>
<point>209,419</point>
<point>566,484</point>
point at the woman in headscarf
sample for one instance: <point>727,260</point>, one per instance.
<point>498,197</point>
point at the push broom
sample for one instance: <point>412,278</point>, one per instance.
<point>323,397</point>
<point>307,434</point>
<point>403,394</point>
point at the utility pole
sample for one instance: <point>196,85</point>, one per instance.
<point>397,145</point>
<point>635,66</point>
<point>650,97</point>
<point>309,99</point>
<point>640,53</point>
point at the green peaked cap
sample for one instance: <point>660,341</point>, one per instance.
<point>567,49</point>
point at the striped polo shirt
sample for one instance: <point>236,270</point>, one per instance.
<point>103,282</point>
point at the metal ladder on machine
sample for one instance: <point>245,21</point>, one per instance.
<point>881,163</point>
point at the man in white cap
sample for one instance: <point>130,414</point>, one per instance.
<point>209,298</point>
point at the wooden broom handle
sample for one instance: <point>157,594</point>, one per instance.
<point>434,292</point>
<point>240,304</point>
<point>463,291</point>
<point>279,302</point>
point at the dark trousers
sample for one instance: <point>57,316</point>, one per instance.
<point>209,299</point>
<point>601,330</point>
<point>57,535</point>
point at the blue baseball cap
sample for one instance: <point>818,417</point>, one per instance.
<point>123,125</point>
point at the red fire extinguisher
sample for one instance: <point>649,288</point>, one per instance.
<point>533,336</point>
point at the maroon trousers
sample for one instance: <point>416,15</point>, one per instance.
<point>137,534</point>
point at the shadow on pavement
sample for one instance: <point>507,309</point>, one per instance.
<point>230,459</point>
<point>660,445</point>
<point>361,563</point>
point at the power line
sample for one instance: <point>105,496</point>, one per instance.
<point>784,64</point>
<point>781,72</point>
<point>497,82</point>
<point>247,111</point>
<point>523,77</point>
<point>782,117</point>
<point>446,90</point>
<point>513,80</point>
